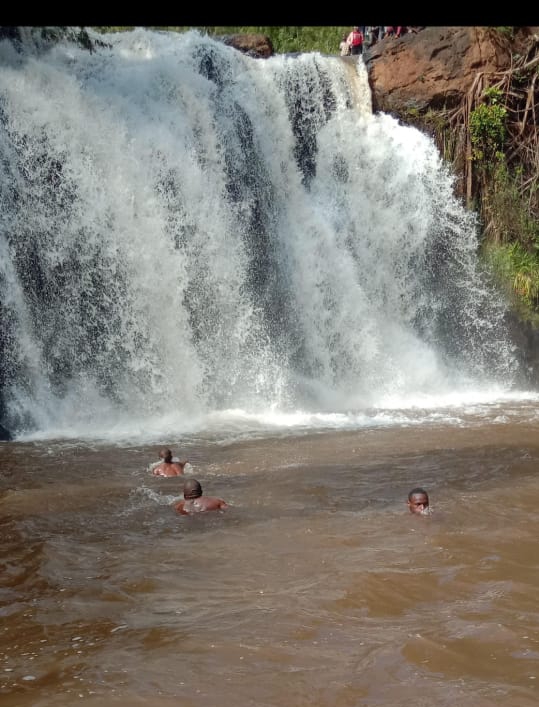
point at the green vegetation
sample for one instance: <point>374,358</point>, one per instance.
<point>517,271</point>
<point>508,32</point>
<point>511,243</point>
<point>505,142</point>
<point>487,129</point>
<point>291,39</point>
<point>284,39</point>
<point>492,140</point>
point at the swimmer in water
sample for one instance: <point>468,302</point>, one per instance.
<point>418,502</point>
<point>195,502</point>
<point>168,467</point>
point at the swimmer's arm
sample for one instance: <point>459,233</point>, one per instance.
<point>180,508</point>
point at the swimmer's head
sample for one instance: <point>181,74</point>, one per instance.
<point>192,489</point>
<point>165,454</point>
<point>418,501</point>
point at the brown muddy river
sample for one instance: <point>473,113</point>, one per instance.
<point>316,587</point>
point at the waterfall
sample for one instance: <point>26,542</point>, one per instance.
<point>186,230</point>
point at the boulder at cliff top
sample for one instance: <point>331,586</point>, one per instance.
<point>255,45</point>
<point>434,68</point>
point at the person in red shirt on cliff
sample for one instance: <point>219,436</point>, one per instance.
<point>355,41</point>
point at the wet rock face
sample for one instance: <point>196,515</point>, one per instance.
<point>434,68</point>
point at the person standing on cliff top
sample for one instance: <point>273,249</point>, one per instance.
<point>376,33</point>
<point>343,46</point>
<point>355,41</point>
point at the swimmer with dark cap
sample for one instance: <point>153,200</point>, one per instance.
<point>195,502</point>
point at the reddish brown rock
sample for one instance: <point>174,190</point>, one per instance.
<point>256,45</point>
<point>434,68</point>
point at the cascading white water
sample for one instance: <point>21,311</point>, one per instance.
<point>188,230</point>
